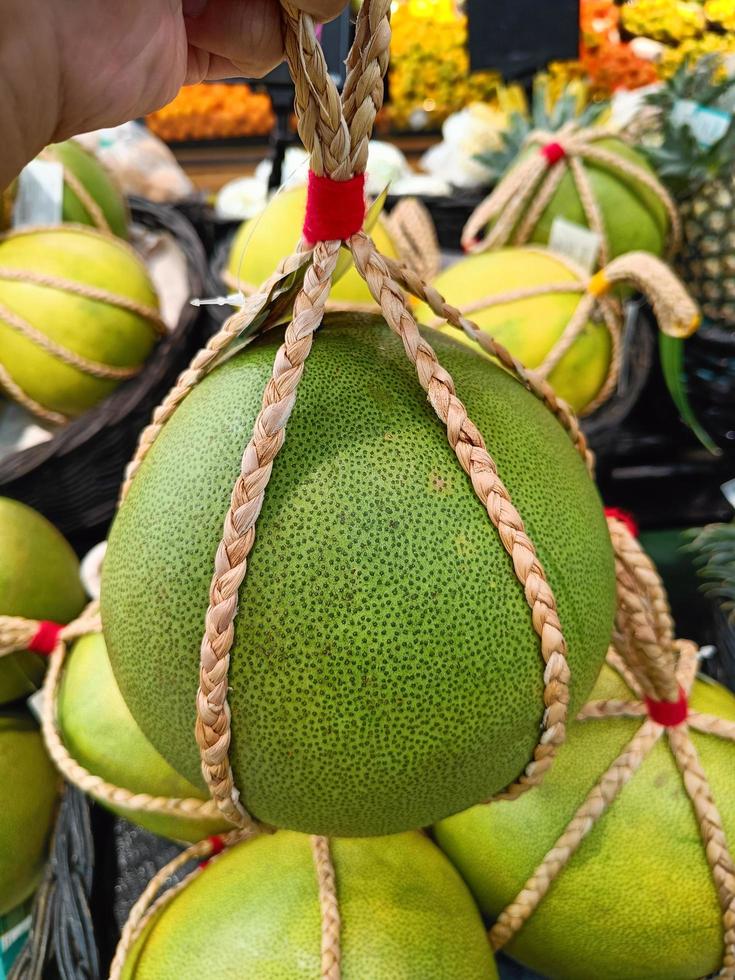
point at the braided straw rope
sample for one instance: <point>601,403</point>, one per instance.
<point>520,199</point>
<point>15,634</point>
<point>653,664</point>
<point>154,897</point>
<point>338,155</point>
<point>411,228</point>
<point>676,312</point>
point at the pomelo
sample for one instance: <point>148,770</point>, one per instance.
<point>96,181</point>
<point>30,786</point>
<point>101,734</point>
<point>633,215</point>
<point>93,328</point>
<point>385,671</point>
<point>531,327</point>
<point>637,900</point>
<point>254,912</point>
<point>262,242</point>
<point>39,579</point>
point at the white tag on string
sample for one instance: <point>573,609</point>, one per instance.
<point>708,125</point>
<point>578,243</point>
<point>728,489</point>
<point>232,299</point>
<point>40,196</point>
<point>35,705</point>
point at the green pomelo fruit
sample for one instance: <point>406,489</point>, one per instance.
<point>101,735</point>
<point>30,786</point>
<point>637,900</point>
<point>529,328</point>
<point>39,579</point>
<point>262,242</point>
<point>98,184</point>
<point>97,330</point>
<point>385,670</point>
<point>254,912</point>
<point>633,216</point>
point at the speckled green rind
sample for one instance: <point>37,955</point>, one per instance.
<point>94,329</point>
<point>385,671</point>
<point>29,785</point>
<point>637,901</point>
<point>254,912</point>
<point>634,217</point>
<point>39,579</point>
<point>101,735</point>
<point>97,182</point>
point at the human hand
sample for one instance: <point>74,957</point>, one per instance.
<point>83,64</point>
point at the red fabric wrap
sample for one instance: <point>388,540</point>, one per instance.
<point>45,637</point>
<point>335,209</point>
<point>669,713</point>
<point>624,517</point>
<point>218,845</point>
<point>554,152</point>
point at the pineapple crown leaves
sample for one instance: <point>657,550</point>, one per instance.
<point>714,558</point>
<point>680,160</point>
<point>550,118</point>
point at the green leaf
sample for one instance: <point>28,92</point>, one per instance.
<point>344,262</point>
<point>671,352</point>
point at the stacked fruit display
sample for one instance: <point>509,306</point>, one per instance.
<point>366,639</point>
<point>213,110</point>
<point>78,311</point>
<point>39,587</point>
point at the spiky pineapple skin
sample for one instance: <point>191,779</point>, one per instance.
<point>706,262</point>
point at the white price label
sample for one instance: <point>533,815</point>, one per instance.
<point>707,124</point>
<point>578,243</point>
<point>728,488</point>
<point>40,196</point>
<point>35,705</point>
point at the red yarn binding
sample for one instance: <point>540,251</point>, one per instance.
<point>335,209</point>
<point>554,152</point>
<point>625,517</point>
<point>218,845</point>
<point>45,637</point>
<point>669,713</point>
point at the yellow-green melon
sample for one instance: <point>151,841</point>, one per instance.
<point>39,579</point>
<point>637,900</point>
<point>385,671</point>
<point>530,327</point>
<point>633,216</point>
<point>254,912</point>
<point>262,242</point>
<point>96,182</point>
<point>30,785</point>
<point>93,328</point>
<point>101,734</point>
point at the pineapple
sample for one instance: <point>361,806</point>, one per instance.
<point>714,558</point>
<point>550,111</point>
<point>702,180</point>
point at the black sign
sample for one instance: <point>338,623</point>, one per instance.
<point>519,37</point>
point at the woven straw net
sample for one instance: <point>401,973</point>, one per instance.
<point>17,323</point>
<point>654,665</point>
<point>520,199</point>
<point>336,132</point>
<point>676,312</point>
